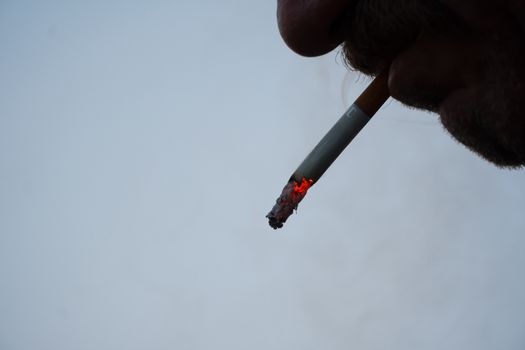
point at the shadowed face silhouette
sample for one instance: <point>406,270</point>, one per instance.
<point>460,59</point>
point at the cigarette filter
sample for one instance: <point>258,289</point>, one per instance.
<point>328,149</point>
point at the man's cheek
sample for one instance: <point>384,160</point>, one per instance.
<point>483,16</point>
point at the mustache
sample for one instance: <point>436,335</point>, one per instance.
<point>376,31</point>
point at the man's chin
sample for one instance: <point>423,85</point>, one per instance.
<point>491,150</point>
<point>478,124</point>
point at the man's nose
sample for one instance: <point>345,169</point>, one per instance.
<point>312,27</point>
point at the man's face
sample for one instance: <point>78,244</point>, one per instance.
<point>463,59</point>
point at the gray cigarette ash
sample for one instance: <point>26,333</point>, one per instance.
<point>287,202</point>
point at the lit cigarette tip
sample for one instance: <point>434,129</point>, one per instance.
<point>293,193</point>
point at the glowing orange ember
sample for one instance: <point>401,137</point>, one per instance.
<point>293,193</point>
<point>303,187</point>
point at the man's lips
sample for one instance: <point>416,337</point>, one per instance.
<point>311,27</point>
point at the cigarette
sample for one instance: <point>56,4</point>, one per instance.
<point>328,149</point>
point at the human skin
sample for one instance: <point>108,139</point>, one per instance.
<point>463,59</point>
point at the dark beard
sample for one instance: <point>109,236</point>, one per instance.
<point>376,31</point>
<point>490,118</point>
<point>487,116</point>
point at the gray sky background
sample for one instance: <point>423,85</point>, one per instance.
<point>141,146</point>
